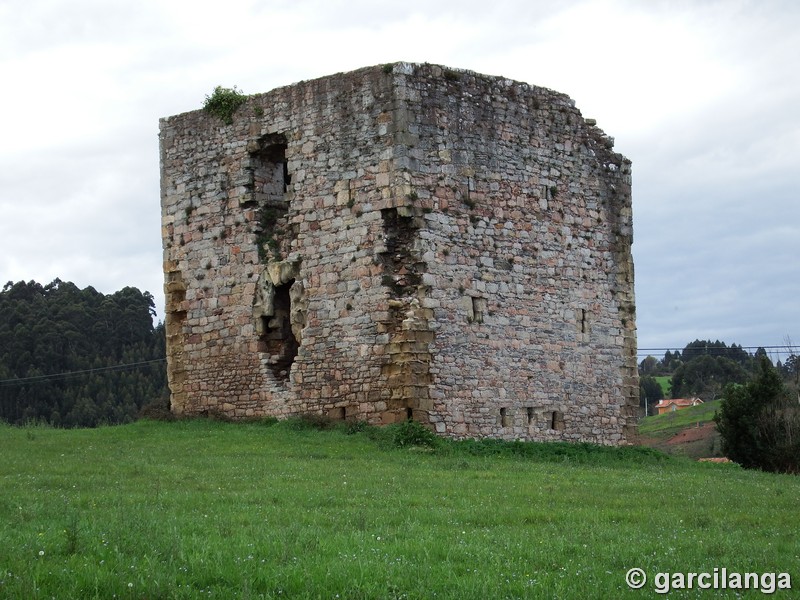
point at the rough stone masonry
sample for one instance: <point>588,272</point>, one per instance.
<point>403,241</point>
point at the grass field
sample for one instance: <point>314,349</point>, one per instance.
<point>203,509</point>
<point>665,381</point>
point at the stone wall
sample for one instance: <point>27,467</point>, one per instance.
<point>402,241</point>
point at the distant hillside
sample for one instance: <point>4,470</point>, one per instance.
<point>688,432</point>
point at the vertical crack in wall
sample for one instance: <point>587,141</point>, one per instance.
<point>402,270</point>
<point>276,337</point>
<point>279,313</point>
<point>279,307</point>
<point>407,369</point>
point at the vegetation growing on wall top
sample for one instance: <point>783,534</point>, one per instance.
<point>224,102</point>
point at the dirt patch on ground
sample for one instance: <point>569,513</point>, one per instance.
<point>706,431</point>
<point>694,442</point>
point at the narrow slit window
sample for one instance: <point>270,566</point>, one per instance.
<point>287,178</point>
<point>557,420</point>
<point>583,324</point>
<point>478,309</point>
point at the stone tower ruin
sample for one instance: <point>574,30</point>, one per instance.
<point>403,241</point>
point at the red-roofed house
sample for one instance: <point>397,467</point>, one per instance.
<point>673,404</point>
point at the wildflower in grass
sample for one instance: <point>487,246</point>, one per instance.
<point>41,552</point>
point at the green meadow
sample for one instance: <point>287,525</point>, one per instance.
<point>206,509</point>
<point>665,381</point>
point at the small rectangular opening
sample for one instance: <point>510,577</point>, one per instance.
<point>478,309</point>
<point>337,413</point>
<point>505,420</point>
<point>529,414</point>
<point>557,420</point>
<point>409,413</point>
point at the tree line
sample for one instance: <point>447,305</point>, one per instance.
<point>76,357</point>
<point>703,368</point>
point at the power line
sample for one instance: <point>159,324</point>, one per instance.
<point>774,352</point>
<point>641,352</point>
<point>71,374</point>
<point>724,348</point>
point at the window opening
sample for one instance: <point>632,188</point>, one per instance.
<point>271,177</point>
<point>478,309</point>
<point>270,181</point>
<point>557,420</point>
<point>505,421</point>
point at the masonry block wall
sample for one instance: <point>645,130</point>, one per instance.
<point>402,241</point>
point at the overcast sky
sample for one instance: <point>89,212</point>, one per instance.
<point>702,96</point>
